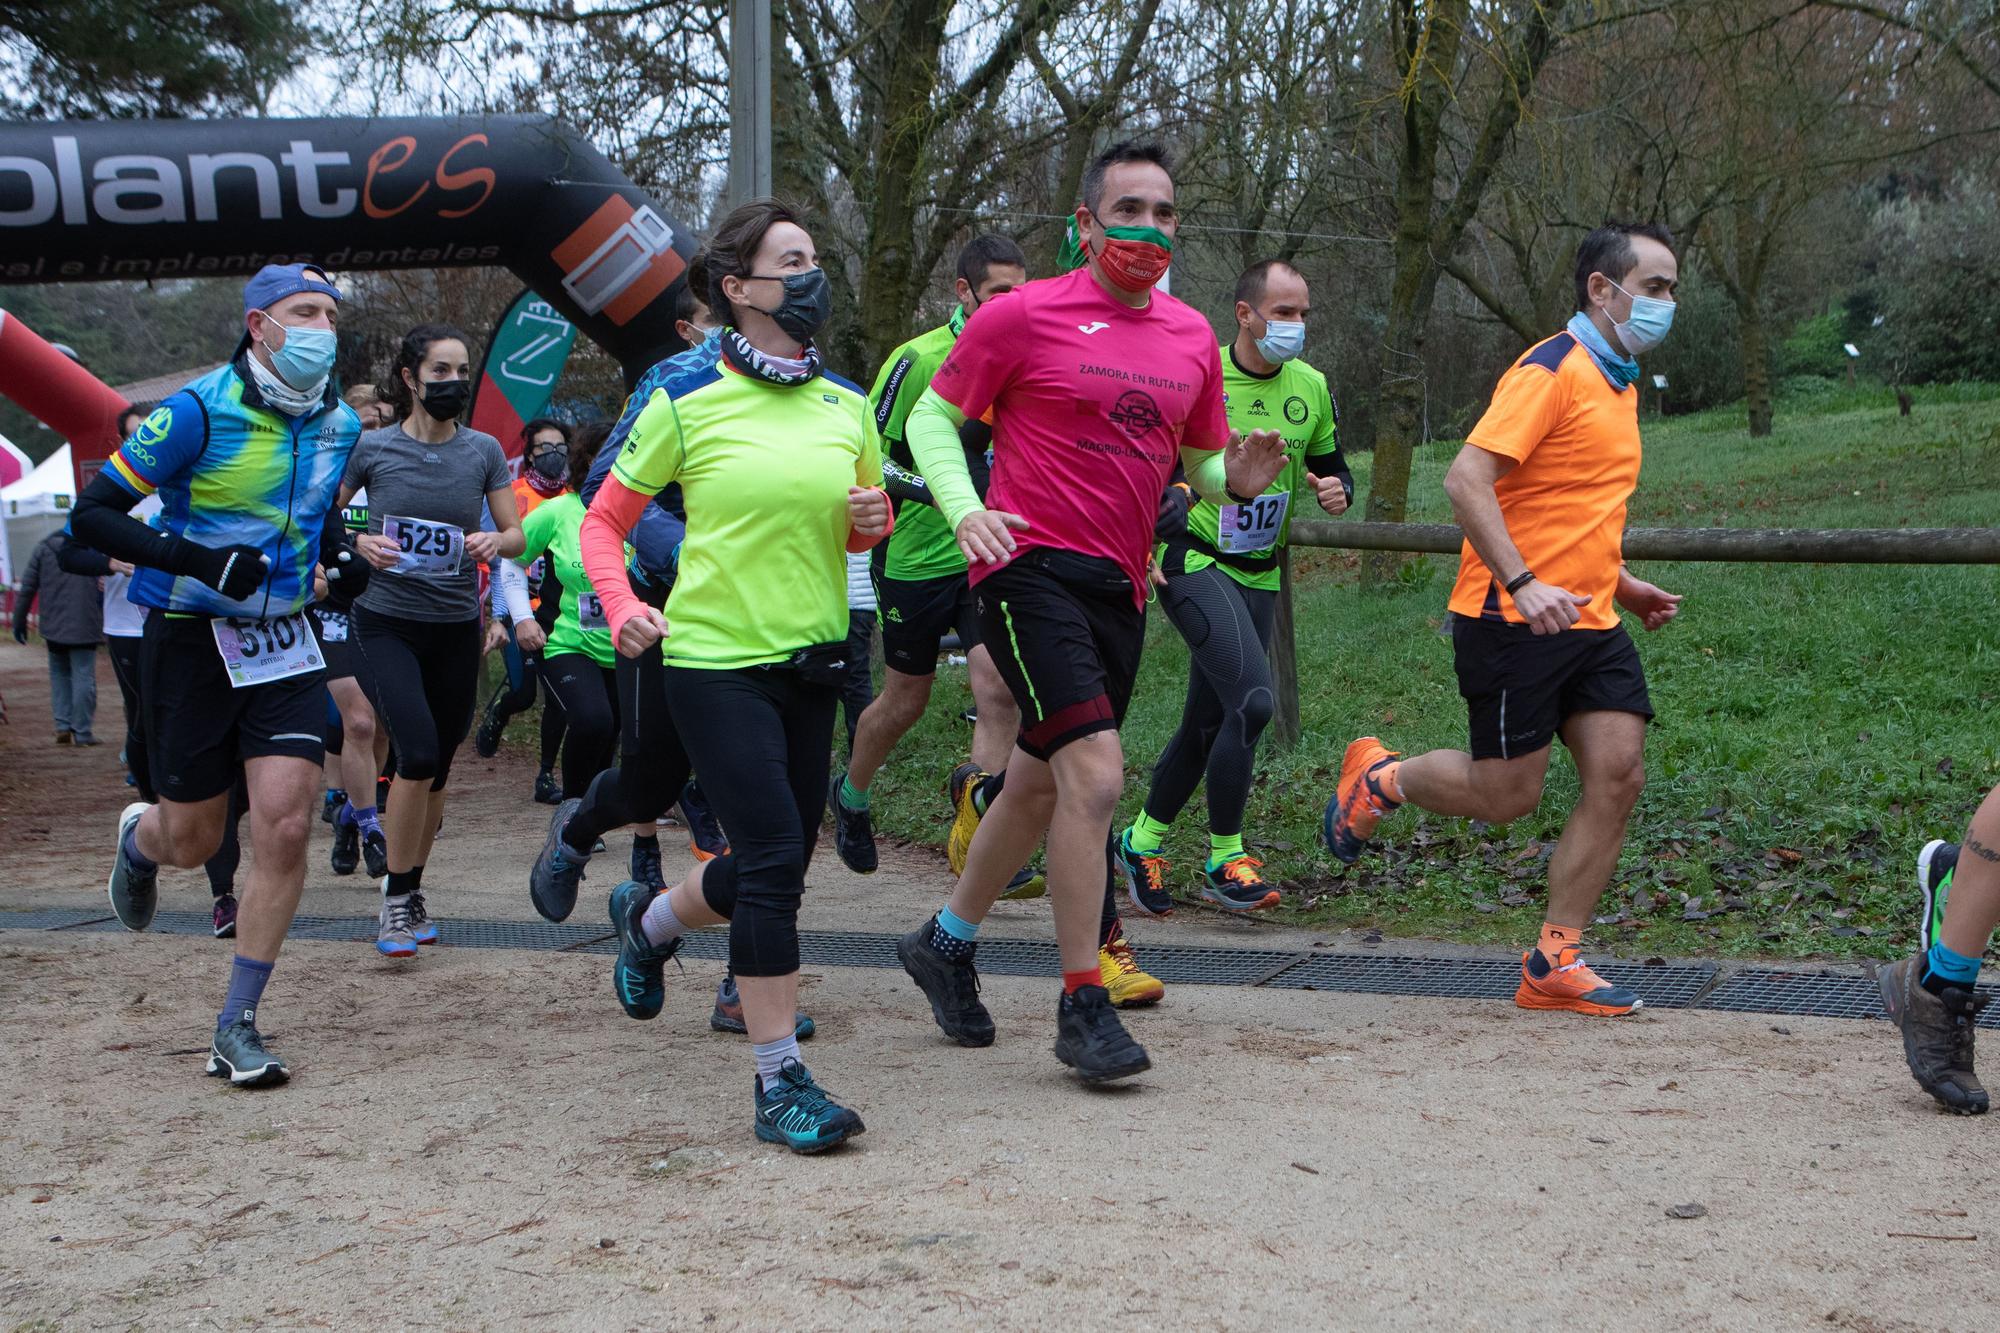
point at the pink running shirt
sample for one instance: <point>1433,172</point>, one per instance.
<point>1091,402</point>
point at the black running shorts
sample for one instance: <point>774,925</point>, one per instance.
<point>1520,686</point>
<point>916,614</point>
<point>199,729</point>
<point>335,628</point>
<point>1066,637</point>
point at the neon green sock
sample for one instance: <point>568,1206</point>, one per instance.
<point>849,797</point>
<point>1147,834</point>
<point>1222,850</point>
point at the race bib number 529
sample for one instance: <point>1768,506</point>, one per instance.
<point>428,548</point>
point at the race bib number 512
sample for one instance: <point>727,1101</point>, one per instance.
<point>1244,528</point>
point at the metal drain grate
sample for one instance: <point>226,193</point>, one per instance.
<point>1813,995</point>
<point>1751,990</point>
<point>1478,978</point>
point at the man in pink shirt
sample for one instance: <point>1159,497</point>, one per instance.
<point>1097,386</point>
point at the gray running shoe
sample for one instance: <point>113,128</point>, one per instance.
<point>557,871</point>
<point>396,936</point>
<point>238,1054</point>
<point>1937,1034</point>
<point>135,893</point>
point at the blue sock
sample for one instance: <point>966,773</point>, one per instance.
<point>133,856</point>
<point>246,987</point>
<point>952,936</point>
<point>1945,968</point>
<point>771,1057</point>
<point>364,815</point>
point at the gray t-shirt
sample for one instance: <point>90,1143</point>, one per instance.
<point>433,495</point>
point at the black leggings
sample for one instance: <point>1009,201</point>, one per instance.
<point>652,765</point>
<point>1229,698</point>
<point>423,679</point>
<point>753,733</point>
<point>585,695</point>
<point>124,653</point>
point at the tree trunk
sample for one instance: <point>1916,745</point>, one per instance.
<point>1756,363</point>
<point>1284,731</point>
<point>890,283</point>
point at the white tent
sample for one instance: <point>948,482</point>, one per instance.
<point>32,508</point>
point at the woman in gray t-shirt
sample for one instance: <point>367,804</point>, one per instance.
<point>416,625</point>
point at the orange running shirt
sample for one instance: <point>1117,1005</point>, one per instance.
<point>1576,441</point>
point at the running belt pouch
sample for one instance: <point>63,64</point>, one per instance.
<point>821,663</point>
<point>1090,575</point>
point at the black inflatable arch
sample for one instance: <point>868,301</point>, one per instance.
<point>90,200</point>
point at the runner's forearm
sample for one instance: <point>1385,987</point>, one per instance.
<point>1477,509</point>
<point>511,593</point>
<point>1206,472</point>
<point>610,516</point>
<point>101,522</point>
<point>932,430</point>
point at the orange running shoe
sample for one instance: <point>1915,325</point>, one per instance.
<point>1238,885</point>
<point>1570,984</point>
<point>1358,802</point>
<point>1130,987</point>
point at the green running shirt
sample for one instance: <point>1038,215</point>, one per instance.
<point>552,528</point>
<point>923,545</point>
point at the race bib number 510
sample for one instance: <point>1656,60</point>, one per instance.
<point>257,652</point>
<point>428,548</point>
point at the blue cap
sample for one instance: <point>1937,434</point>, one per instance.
<point>275,282</point>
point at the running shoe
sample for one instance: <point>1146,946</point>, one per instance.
<point>394,935</point>
<point>639,976</point>
<point>1238,885</point>
<point>1091,1040</point>
<point>553,880</point>
<point>705,836</point>
<point>959,789</point>
<point>374,852</point>
<point>423,929</point>
<point>951,987</point>
<point>853,832</point>
<point>796,1112</point>
<point>646,867</point>
<point>225,917</point>
<point>237,1053</point>
<point>1028,882</point>
<point>1128,985</point>
<point>1145,875</point>
<point>1937,1034</point>
<point>727,1016</point>
<point>330,804</point>
<point>487,739</point>
<point>547,790</point>
<point>135,894</point>
<point>1935,865</point>
<point>1568,983</point>
<point>346,855</point>
<point>1358,802</point>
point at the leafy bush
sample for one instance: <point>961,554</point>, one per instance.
<point>1940,284</point>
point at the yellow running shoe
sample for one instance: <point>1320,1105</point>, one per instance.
<point>1130,987</point>
<point>959,787</point>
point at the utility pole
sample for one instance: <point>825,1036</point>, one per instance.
<point>749,101</point>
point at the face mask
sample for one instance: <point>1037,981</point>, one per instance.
<point>1134,258</point>
<point>306,359</point>
<point>1282,340</point>
<point>281,396</point>
<point>446,400</point>
<point>1647,328</point>
<point>807,305</point>
<point>552,464</point>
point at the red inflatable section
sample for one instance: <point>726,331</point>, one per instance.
<point>52,388</point>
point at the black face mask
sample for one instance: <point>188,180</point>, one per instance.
<point>807,305</point>
<point>446,400</point>
<point>551,464</point>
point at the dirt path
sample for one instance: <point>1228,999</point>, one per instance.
<point>481,1141</point>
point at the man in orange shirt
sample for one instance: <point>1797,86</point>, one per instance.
<point>1540,489</point>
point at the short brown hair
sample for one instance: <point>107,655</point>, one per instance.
<point>734,245</point>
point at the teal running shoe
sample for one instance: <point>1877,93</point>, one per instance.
<point>796,1112</point>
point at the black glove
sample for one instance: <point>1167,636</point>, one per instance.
<point>346,574</point>
<point>20,634</point>
<point>1172,522</point>
<point>233,571</point>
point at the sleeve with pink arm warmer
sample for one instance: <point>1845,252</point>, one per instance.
<point>610,516</point>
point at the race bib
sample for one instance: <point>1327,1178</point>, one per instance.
<point>333,626</point>
<point>257,652</point>
<point>590,612</point>
<point>428,548</point>
<point>1244,528</point>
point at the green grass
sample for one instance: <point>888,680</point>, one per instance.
<point>1816,723</point>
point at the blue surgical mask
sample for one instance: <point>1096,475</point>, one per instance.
<point>1282,341</point>
<point>1647,327</point>
<point>306,359</point>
